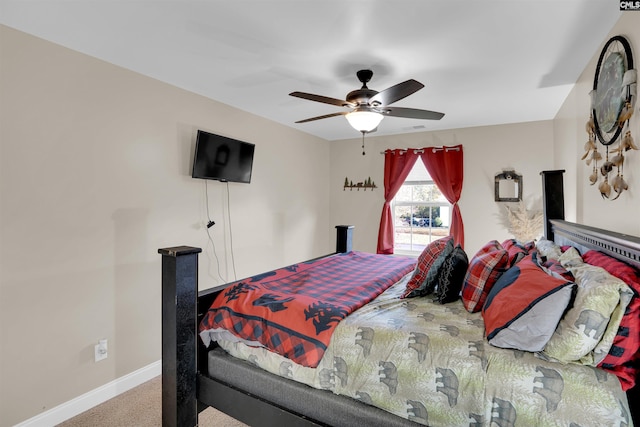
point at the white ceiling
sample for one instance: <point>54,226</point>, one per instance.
<point>482,62</point>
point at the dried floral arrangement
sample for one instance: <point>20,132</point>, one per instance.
<point>524,224</point>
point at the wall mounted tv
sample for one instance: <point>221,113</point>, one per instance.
<point>223,159</point>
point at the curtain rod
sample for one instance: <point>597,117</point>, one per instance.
<point>421,150</point>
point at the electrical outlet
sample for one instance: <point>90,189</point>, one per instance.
<point>101,352</point>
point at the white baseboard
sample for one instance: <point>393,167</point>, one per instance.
<point>94,397</point>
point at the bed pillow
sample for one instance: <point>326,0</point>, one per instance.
<point>624,350</point>
<point>432,256</point>
<point>451,276</point>
<point>485,268</point>
<point>525,305</point>
<point>570,258</point>
<point>553,265</point>
<point>516,251</point>
<point>548,249</point>
<point>586,333</point>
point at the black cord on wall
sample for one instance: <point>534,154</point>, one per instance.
<point>233,260</point>
<point>209,225</point>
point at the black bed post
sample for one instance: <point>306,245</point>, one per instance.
<point>552,199</point>
<point>179,307</point>
<point>344,238</point>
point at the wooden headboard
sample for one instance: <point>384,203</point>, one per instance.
<point>621,246</point>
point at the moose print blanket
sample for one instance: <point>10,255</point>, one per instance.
<point>293,311</point>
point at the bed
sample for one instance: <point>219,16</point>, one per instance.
<point>404,359</point>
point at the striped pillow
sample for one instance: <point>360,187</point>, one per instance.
<point>485,268</point>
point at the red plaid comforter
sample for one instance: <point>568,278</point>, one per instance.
<point>294,310</point>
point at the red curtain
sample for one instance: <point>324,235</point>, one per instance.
<point>445,166</point>
<point>397,165</point>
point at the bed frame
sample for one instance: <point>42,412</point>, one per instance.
<point>264,399</point>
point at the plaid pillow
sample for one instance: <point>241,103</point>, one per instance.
<point>622,359</point>
<point>516,251</point>
<point>555,266</point>
<point>417,284</point>
<point>485,268</point>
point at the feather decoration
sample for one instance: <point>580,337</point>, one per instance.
<point>605,188</point>
<point>625,113</point>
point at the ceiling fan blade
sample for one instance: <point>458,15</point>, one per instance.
<point>412,113</point>
<point>326,116</point>
<point>396,93</point>
<point>320,98</point>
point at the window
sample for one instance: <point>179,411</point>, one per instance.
<point>421,213</point>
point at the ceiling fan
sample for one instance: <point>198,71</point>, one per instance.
<point>369,107</point>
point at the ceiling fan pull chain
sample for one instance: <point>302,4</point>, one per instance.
<point>363,143</point>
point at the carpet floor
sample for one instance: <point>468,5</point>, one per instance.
<point>141,407</point>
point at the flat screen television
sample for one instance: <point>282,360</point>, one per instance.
<point>224,159</point>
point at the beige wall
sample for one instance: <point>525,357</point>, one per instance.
<point>525,147</point>
<point>584,202</point>
<point>95,177</point>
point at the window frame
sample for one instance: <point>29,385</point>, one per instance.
<point>395,203</point>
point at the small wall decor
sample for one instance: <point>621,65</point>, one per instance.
<point>508,186</point>
<point>612,102</point>
<point>368,183</point>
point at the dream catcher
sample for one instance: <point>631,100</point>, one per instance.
<point>612,102</point>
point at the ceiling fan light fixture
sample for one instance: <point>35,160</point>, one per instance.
<point>364,121</point>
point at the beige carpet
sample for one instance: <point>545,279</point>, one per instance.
<point>141,407</point>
